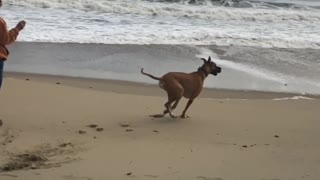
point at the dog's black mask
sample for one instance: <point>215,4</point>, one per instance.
<point>216,71</point>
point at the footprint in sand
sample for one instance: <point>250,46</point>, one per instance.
<point>96,127</point>
<point>124,124</point>
<point>99,129</point>
<point>92,125</point>
<point>82,132</point>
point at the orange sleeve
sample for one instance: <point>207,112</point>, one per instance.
<point>7,37</point>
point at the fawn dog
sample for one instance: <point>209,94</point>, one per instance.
<point>188,85</point>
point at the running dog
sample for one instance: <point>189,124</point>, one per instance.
<point>188,85</point>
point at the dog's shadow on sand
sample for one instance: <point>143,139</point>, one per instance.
<point>160,118</point>
<point>155,121</point>
<point>156,116</point>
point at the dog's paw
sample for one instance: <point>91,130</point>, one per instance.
<point>184,116</point>
<point>173,116</point>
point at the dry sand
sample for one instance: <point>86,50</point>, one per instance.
<point>45,132</point>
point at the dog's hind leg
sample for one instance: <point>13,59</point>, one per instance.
<point>173,107</point>
<point>169,108</point>
<point>183,115</point>
<point>166,111</point>
<point>175,93</point>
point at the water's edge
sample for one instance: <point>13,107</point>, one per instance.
<point>244,68</point>
<point>145,89</point>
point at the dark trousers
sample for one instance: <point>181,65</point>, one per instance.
<point>1,71</point>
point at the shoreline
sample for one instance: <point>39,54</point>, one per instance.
<point>146,89</point>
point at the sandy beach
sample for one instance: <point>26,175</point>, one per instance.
<point>80,129</point>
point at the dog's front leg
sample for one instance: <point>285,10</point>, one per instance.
<point>183,115</point>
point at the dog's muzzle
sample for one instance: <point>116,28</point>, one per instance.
<point>217,71</point>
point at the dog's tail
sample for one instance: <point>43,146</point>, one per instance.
<point>151,76</point>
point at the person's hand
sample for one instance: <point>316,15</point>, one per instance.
<point>21,25</point>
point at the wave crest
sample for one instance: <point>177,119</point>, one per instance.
<point>274,13</point>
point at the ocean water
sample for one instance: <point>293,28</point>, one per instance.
<point>270,23</point>
<point>272,28</point>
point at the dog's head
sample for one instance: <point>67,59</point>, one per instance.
<point>210,67</point>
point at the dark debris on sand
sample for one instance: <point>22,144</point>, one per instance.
<point>66,144</point>
<point>24,161</point>
<point>37,159</point>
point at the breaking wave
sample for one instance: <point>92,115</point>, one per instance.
<point>203,9</point>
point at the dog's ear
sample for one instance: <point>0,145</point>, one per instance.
<point>204,60</point>
<point>209,59</point>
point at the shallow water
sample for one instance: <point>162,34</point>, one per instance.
<point>243,68</point>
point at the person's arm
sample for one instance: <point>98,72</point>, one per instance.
<point>11,35</point>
